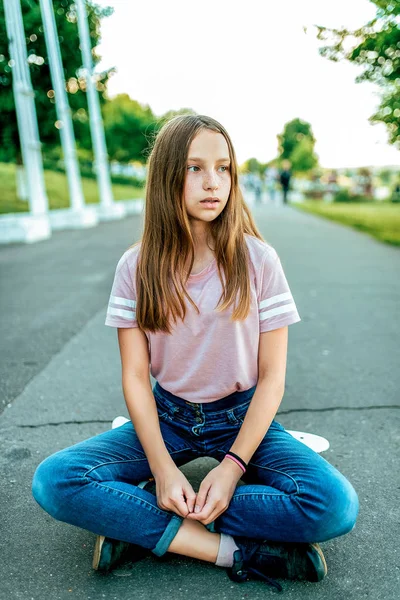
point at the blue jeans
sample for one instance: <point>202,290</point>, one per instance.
<point>290,492</point>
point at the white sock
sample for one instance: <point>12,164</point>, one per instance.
<point>227,547</point>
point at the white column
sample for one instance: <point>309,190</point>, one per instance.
<point>25,108</point>
<point>107,209</point>
<point>35,225</point>
<point>77,201</point>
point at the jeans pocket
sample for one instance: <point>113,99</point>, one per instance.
<point>240,412</point>
<point>167,410</point>
<point>164,415</point>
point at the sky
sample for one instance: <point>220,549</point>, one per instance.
<point>250,65</point>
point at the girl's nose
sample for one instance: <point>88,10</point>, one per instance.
<point>211,182</point>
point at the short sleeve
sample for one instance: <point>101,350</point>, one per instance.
<point>121,311</point>
<point>275,301</point>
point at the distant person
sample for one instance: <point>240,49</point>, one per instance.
<point>202,302</point>
<point>284,178</point>
<point>396,193</point>
<point>271,177</point>
<point>257,189</point>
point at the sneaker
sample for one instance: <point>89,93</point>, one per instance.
<point>108,553</point>
<point>149,485</point>
<point>269,560</point>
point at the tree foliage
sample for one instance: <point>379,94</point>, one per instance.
<point>252,165</point>
<point>303,158</point>
<point>130,128</point>
<point>296,144</point>
<point>174,113</point>
<point>66,20</point>
<point>376,48</point>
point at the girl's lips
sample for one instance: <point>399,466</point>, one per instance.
<point>209,203</point>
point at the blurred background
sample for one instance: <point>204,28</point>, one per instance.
<point>308,90</point>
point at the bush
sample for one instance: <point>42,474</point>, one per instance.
<point>86,170</point>
<point>344,196</point>
<point>314,194</point>
<point>396,194</point>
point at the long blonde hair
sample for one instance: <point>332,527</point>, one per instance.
<point>167,243</point>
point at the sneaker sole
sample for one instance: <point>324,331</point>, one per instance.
<point>318,549</point>
<point>97,551</point>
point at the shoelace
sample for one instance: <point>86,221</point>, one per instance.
<point>265,578</point>
<point>247,555</point>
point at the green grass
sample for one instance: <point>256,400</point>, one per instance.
<point>57,190</point>
<point>379,219</point>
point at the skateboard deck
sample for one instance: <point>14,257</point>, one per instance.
<point>313,441</point>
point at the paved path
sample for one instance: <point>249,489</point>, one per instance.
<point>60,383</point>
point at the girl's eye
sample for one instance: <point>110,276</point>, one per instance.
<point>194,169</point>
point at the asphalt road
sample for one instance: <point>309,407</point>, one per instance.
<point>60,383</point>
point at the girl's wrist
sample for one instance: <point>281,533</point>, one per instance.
<point>237,459</point>
<point>163,467</point>
<point>232,467</point>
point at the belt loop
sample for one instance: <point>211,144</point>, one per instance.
<point>231,416</point>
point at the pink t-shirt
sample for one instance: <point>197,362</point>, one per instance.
<point>208,356</point>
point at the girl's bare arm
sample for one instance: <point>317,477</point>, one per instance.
<point>217,488</point>
<point>174,492</point>
<point>139,396</point>
<point>272,356</point>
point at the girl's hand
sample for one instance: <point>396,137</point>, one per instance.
<point>174,492</point>
<point>216,491</point>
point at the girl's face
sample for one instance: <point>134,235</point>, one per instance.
<point>208,176</point>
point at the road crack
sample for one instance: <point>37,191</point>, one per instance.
<point>57,424</point>
<point>291,411</point>
<point>288,411</point>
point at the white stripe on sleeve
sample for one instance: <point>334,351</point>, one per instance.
<point>275,300</point>
<point>122,301</point>
<point>279,310</point>
<point>120,312</point>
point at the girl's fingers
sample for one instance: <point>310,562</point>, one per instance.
<point>181,501</point>
<point>211,511</point>
<point>190,500</point>
<point>176,505</point>
<point>206,518</point>
<point>214,515</point>
<point>201,498</point>
<point>206,512</point>
<point>211,507</point>
<point>179,507</point>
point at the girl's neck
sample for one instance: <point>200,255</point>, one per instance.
<point>202,239</point>
<point>203,248</point>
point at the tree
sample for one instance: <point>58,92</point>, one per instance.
<point>174,113</point>
<point>386,176</point>
<point>376,47</point>
<point>66,20</point>
<point>130,128</point>
<point>252,165</point>
<point>296,144</point>
<point>303,158</point>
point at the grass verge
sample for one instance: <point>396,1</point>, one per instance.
<point>57,190</point>
<point>379,219</point>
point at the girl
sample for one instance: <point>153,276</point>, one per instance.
<point>203,301</point>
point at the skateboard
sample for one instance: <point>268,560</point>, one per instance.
<point>313,441</point>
